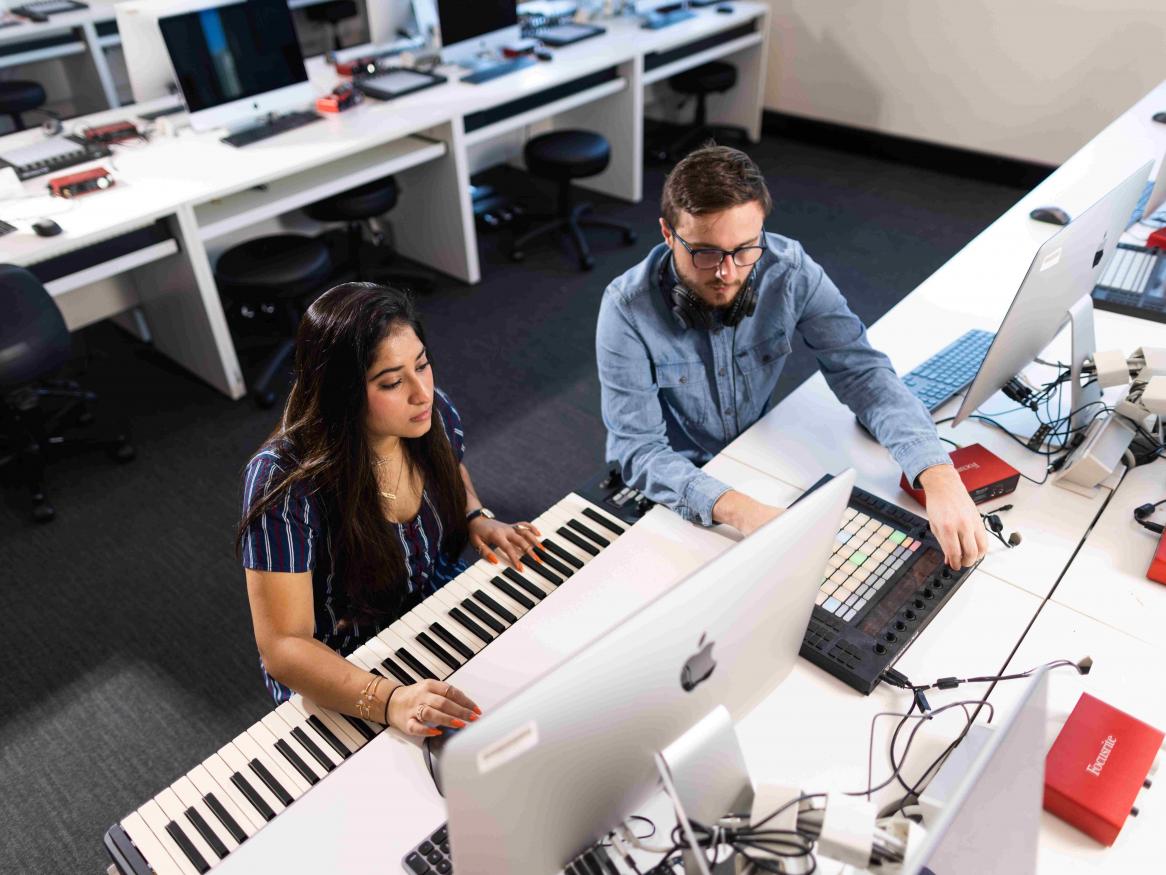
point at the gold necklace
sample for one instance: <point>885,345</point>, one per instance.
<point>390,496</point>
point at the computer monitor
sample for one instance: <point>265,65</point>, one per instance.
<point>552,769</point>
<point>1057,287</point>
<point>990,817</point>
<point>236,62</point>
<point>1155,197</point>
<point>469,30</point>
<point>147,61</point>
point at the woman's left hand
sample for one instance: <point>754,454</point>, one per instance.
<point>512,540</point>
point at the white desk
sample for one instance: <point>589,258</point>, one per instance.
<point>209,196</point>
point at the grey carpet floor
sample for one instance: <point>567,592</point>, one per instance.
<point>126,645</point>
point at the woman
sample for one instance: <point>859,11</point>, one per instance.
<point>357,507</point>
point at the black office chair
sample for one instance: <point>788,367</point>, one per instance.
<point>18,96</point>
<point>331,14</point>
<point>35,409</point>
<point>357,208</point>
<point>563,156</point>
<point>276,275</point>
<point>715,77</point>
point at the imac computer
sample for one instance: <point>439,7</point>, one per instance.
<point>563,761</point>
<point>1057,288</point>
<point>471,31</point>
<point>988,796</point>
<point>236,62</point>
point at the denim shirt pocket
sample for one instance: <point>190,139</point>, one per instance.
<point>682,388</point>
<point>760,365</point>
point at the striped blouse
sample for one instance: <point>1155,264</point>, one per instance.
<point>294,535</point>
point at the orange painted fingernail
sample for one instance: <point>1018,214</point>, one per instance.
<point>433,732</point>
<point>458,724</point>
<point>519,567</point>
<point>477,710</point>
<point>537,558</point>
<point>491,558</point>
<point>473,717</point>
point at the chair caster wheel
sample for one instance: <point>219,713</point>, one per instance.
<point>43,513</point>
<point>124,452</point>
<point>586,263</point>
<point>517,255</point>
<point>264,400</point>
<point>630,237</point>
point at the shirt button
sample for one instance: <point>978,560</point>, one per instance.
<point>684,379</point>
<point>766,357</point>
<point>722,372</point>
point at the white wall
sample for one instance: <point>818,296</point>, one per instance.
<point>1029,79</point>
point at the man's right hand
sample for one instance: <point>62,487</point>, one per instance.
<point>743,513</point>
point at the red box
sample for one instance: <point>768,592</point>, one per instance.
<point>1157,570</point>
<point>986,476</point>
<point>1096,767</point>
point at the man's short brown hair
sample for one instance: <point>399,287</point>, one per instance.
<point>711,179</point>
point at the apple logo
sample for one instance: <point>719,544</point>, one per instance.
<point>698,667</point>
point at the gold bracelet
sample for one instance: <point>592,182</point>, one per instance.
<point>367,697</point>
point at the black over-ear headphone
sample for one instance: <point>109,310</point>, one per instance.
<point>691,312</point>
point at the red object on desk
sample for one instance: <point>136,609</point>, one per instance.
<point>1157,570</point>
<point>1157,240</point>
<point>986,476</point>
<point>1096,767</point>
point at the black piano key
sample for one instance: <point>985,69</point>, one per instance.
<point>482,635</point>
<point>589,533</point>
<point>208,834</point>
<point>396,671</point>
<point>551,562</point>
<point>561,553</point>
<point>410,660</point>
<point>196,859</point>
<point>438,651</point>
<point>329,736</point>
<point>448,637</point>
<point>568,535</point>
<point>311,747</point>
<point>544,572</point>
<point>270,782</point>
<point>224,816</point>
<point>512,592</point>
<point>257,801</point>
<point>517,578</point>
<point>360,726</point>
<point>297,762</point>
<point>483,615</point>
<point>119,844</point>
<point>603,521</point>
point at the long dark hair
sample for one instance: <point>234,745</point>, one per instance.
<point>323,430</point>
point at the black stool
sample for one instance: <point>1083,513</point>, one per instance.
<point>563,156</point>
<point>356,208</point>
<point>34,409</point>
<point>332,14</point>
<point>17,97</point>
<point>715,77</point>
<point>275,274</point>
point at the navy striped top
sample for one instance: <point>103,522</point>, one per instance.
<point>294,536</point>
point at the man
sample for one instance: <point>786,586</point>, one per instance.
<point>691,341</point>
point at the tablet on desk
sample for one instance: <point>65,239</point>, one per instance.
<point>396,82</point>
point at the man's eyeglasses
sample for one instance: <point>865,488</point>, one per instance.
<point>711,258</point>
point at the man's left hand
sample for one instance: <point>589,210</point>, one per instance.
<point>954,518</point>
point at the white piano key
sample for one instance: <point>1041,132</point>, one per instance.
<point>148,845</point>
<point>442,617</point>
<point>276,724</point>
<point>337,724</point>
<point>238,759</point>
<point>462,588</point>
<point>486,584</point>
<point>173,808</point>
<point>399,635</point>
<point>573,499</point>
<point>190,797</point>
<point>451,600</point>
<point>266,741</point>
<point>213,775</point>
<point>155,818</point>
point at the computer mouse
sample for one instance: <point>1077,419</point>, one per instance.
<point>1052,215</point>
<point>544,54</point>
<point>432,746</point>
<point>725,9</point>
<point>34,16</point>
<point>46,228</point>
<point>1159,117</point>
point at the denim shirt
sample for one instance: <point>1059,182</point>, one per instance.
<point>673,398</point>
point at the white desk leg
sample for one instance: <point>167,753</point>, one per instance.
<point>742,106</point>
<point>433,222</point>
<point>183,309</point>
<point>620,118</point>
<point>100,65</point>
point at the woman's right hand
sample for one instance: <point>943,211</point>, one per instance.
<point>416,709</point>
